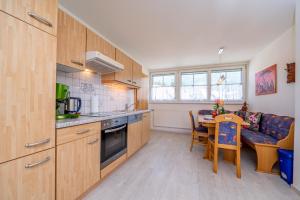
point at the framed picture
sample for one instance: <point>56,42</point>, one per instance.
<point>266,81</point>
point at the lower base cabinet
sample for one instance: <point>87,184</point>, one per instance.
<point>145,128</point>
<point>78,167</point>
<point>134,137</point>
<point>30,177</point>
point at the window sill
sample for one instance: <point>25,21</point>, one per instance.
<point>197,102</point>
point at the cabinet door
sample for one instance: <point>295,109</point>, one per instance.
<point>70,167</point>
<point>134,137</point>
<point>124,76</point>
<point>136,74</point>
<point>97,43</point>
<point>30,177</point>
<point>92,160</point>
<point>71,41</point>
<point>41,14</point>
<point>146,128</point>
<point>27,89</point>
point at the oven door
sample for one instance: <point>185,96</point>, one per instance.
<point>113,144</point>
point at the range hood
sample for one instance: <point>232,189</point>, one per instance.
<point>101,63</point>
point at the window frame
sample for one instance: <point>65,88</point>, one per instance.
<point>179,71</point>
<point>151,82</point>
<point>180,85</point>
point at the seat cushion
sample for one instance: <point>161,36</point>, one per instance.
<point>211,138</point>
<point>202,129</point>
<point>204,112</point>
<point>257,137</point>
<point>276,126</point>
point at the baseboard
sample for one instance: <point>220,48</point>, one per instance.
<point>296,190</point>
<point>173,130</point>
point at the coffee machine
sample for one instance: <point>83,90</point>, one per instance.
<point>66,106</point>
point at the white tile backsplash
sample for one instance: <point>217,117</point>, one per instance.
<point>85,84</point>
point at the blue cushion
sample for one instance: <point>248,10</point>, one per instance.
<point>227,133</point>
<point>257,137</point>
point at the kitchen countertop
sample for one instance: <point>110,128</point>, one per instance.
<point>86,119</point>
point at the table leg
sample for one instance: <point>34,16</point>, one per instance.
<point>211,131</point>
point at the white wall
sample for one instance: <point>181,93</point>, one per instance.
<point>297,106</point>
<point>174,117</point>
<point>280,52</point>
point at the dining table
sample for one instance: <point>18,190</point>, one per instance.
<point>209,122</point>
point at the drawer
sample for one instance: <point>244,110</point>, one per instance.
<point>65,135</point>
<point>30,177</point>
<point>39,13</point>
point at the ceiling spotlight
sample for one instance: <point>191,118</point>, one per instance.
<point>221,50</point>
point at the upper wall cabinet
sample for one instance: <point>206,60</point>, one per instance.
<point>27,89</point>
<point>124,76</point>
<point>71,42</point>
<point>96,43</point>
<point>41,14</point>
<point>136,74</point>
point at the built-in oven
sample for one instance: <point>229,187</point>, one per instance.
<point>113,140</point>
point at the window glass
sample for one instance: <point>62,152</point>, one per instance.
<point>193,86</point>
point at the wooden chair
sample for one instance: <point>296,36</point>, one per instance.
<point>199,136</point>
<point>227,136</point>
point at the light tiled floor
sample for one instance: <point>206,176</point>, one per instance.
<point>165,170</point>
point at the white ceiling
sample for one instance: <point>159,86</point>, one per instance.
<point>167,33</point>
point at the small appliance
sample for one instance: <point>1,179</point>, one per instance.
<point>66,106</point>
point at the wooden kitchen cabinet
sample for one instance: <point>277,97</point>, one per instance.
<point>78,165</point>
<point>27,89</point>
<point>30,177</point>
<point>71,42</point>
<point>70,167</point>
<point>41,14</point>
<point>145,128</point>
<point>136,74</point>
<point>134,137</point>
<point>124,76</point>
<point>92,168</point>
<point>97,43</point>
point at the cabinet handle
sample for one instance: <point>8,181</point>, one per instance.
<point>134,82</point>
<point>94,141</point>
<point>76,62</point>
<point>39,18</point>
<point>28,145</point>
<point>31,165</point>
<point>129,81</point>
<point>83,131</point>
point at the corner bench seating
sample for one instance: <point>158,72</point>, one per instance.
<point>275,132</point>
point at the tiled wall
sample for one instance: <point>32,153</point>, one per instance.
<point>85,84</point>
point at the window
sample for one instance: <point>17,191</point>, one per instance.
<point>163,87</point>
<point>201,85</point>
<point>193,86</point>
<point>227,85</point>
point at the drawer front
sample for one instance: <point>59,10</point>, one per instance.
<point>39,13</point>
<point>65,135</point>
<point>30,177</point>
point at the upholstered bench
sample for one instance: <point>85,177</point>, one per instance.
<point>274,132</point>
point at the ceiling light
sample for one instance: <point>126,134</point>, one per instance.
<point>221,50</point>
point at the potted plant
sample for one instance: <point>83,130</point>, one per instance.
<point>218,107</point>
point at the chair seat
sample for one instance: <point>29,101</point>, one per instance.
<point>257,137</point>
<point>202,129</point>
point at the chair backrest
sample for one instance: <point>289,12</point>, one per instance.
<point>228,129</point>
<point>192,120</point>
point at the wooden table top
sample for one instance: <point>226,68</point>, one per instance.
<point>202,119</point>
